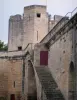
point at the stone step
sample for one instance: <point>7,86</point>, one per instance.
<point>48,84</point>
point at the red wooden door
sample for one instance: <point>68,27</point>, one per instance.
<point>12,97</point>
<point>43,57</point>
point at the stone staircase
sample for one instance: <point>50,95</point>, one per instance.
<point>48,83</point>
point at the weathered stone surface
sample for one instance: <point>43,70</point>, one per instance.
<point>3,78</point>
<point>59,61</point>
<point>22,80</point>
<point>15,36</point>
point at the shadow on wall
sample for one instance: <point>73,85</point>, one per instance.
<point>32,91</point>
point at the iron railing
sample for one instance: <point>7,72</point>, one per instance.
<point>59,25</point>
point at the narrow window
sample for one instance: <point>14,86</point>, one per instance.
<point>23,69</point>
<point>20,48</point>
<point>38,15</point>
<point>14,84</point>
<point>37,35</point>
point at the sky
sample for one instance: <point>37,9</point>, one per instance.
<point>13,7</point>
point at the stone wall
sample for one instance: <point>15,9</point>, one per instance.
<point>15,78</point>
<point>10,78</point>
<point>3,78</point>
<point>60,56</point>
<point>59,59</point>
<point>74,59</point>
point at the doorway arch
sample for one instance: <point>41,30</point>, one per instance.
<point>72,81</point>
<point>32,91</point>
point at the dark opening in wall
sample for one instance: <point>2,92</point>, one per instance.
<point>14,84</point>
<point>63,51</point>
<point>34,97</point>
<point>64,40</point>
<point>12,97</point>
<point>20,48</point>
<point>72,67</point>
<point>38,15</point>
<point>72,80</point>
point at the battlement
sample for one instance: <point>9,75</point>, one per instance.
<point>16,17</point>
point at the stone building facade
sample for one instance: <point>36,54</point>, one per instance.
<point>41,60</point>
<point>27,28</point>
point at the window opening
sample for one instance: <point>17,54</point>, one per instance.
<point>38,15</point>
<point>20,48</point>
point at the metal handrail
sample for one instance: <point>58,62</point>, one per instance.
<point>66,16</point>
<point>74,9</point>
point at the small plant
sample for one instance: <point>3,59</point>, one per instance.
<point>3,46</point>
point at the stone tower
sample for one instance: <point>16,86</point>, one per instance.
<point>29,29</point>
<point>35,24</point>
<point>15,36</point>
